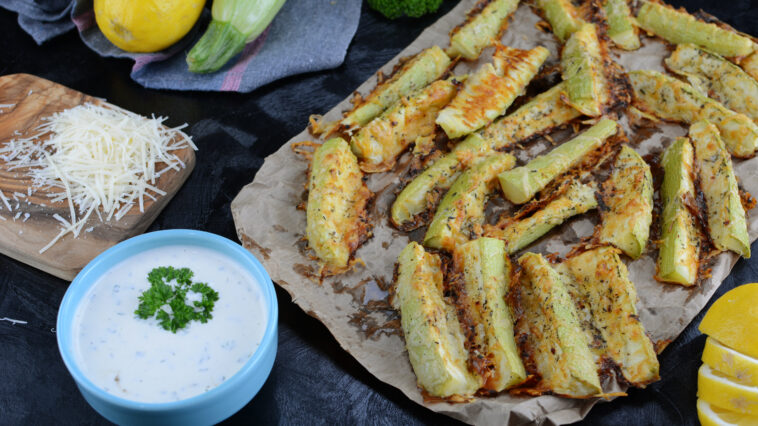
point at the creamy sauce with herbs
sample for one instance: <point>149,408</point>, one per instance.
<point>137,359</point>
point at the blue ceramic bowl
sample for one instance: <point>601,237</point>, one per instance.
<point>207,408</point>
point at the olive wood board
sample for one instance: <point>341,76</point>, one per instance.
<point>31,100</point>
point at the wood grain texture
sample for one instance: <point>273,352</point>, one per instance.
<point>32,99</point>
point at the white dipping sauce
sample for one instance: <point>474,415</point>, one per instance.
<point>137,359</point>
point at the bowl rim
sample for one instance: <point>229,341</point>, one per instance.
<point>107,259</point>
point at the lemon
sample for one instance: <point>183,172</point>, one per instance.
<point>146,25</point>
<point>723,392</point>
<point>733,320</point>
<point>710,415</point>
<point>742,368</point>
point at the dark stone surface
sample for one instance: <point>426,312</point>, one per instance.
<point>314,381</point>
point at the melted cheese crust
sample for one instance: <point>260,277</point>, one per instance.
<point>336,217</point>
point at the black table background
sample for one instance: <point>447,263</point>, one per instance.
<point>313,381</point>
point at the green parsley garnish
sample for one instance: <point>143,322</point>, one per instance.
<point>162,292</point>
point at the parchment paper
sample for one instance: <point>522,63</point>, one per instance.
<point>354,305</point>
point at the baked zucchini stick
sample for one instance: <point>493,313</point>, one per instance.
<point>415,74</point>
<point>422,193</point>
<point>487,272</point>
<point>585,86</point>
<point>673,100</point>
<point>491,90</point>
<point>336,216</point>
<point>679,27</point>
<point>726,216</point>
<point>716,77</point>
<point>381,141</point>
<point>519,185</point>
<point>621,28</point>
<point>433,335</point>
<point>460,214</point>
<point>543,113</point>
<point>628,198</point>
<point>519,233</point>
<point>599,283</point>
<point>679,248</point>
<point>540,115</point>
<point>554,338</point>
<point>481,29</point>
<point>562,17</point>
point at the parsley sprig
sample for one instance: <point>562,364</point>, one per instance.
<point>162,292</point>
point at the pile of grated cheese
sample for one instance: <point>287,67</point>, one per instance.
<point>100,160</point>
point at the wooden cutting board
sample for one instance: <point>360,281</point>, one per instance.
<point>33,99</point>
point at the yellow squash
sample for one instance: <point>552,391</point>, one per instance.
<point>146,25</point>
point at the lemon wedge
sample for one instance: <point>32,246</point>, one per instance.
<point>742,368</point>
<point>733,319</point>
<point>710,415</point>
<point>723,392</point>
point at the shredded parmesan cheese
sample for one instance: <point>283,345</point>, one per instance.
<point>97,159</point>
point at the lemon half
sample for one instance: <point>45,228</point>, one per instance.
<point>146,25</point>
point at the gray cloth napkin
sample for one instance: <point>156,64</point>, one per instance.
<point>306,35</point>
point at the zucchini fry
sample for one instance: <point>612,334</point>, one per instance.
<point>562,17</point>
<point>491,90</point>
<point>484,24</point>
<point>726,216</point>
<point>598,281</point>
<point>519,232</point>
<point>540,115</point>
<point>522,183</point>
<point>621,28</point>
<point>552,334</point>
<point>586,88</point>
<point>422,193</point>
<point>336,217</point>
<point>673,100</point>
<point>433,334</point>
<point>679,249</point>
<point>628,196</point>
<point>415,74</point>
<point>460,214</point>
<point>679,27</point>
<point>380,142</point>
<point>717,78</point>
<point>487,271</point>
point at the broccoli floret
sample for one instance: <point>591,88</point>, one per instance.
<point>396,8</point>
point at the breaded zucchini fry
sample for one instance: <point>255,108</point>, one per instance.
<point>585,88</point>
<point>726,216</point>
<point>415,74</point>
<point>433,334</point>
<point>336,218</point>
<point>422,193</point>
<point>485,22</point>
<point>599,283</point>
<point>491,90</point>
<point>381,141</point>
<point>519,185</point>
<point>679,249</point>
<point>487,272</point>
<point>678,27</point>
<point>519,232</point>
<point>716,77</point>
<point>621,28</point>
<point>460,214</point>
<point>540,115</point>
<point>673,100</point>
<point>553,337</point>
<point>562,17</point>
<point>628,196</point>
